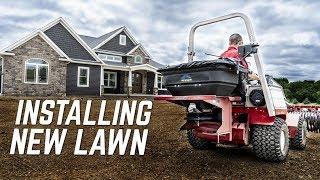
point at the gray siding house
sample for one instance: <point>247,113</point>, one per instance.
<point>56,61</point>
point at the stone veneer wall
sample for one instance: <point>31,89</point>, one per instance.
<point>14,70</point>
<point>125,81</point>
<point>144,82</point>
<point>130,60</point>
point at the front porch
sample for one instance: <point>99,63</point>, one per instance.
<point>139,80</point>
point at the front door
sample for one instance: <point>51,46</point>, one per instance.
<point>136,83</point>
<point>150,82</point>
<point>1,75</point>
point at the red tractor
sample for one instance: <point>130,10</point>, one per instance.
<point>224,107</point>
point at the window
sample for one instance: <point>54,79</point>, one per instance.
<point>138,59</point>
<point>106,57</point>
<point>123,40</point>
<point>102,56</point>
<point>36,71</point>
<point>83,76</point>
<point>110,79</point>
<point>160,82</point>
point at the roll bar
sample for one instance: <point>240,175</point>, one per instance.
<point>265,88</point>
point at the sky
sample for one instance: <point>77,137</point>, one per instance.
<point>287,31</point>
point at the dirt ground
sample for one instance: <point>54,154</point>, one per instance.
<point>168,154</point>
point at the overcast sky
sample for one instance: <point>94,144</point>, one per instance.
<point>287,31</point>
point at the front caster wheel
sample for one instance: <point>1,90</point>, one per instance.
<point>198,143</point>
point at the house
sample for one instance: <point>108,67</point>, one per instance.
<point>56,61</point>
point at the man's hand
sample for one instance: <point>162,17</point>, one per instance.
<point>253,76</point>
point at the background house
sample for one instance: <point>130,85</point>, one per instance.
<point>55,60</point>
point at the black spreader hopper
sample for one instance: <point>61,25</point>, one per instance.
<point>221,77</point>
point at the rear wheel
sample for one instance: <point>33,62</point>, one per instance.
<point>271,143</point>
<point>198,143</point>
<point>300,140</point>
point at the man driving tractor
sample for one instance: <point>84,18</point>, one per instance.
<point>235,40</point>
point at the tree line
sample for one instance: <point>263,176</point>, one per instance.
<point>307,91</point>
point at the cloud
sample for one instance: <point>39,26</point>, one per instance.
<point>288,31</point>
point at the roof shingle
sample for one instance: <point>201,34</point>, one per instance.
<point>95,41</point>
<point>67,43</point>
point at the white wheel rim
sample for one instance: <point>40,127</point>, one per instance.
<point>304,132</point>
<point>282,141</point>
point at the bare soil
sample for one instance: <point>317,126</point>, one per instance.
<point>168,154</point>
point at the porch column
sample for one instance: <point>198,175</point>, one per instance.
<point>101,81</point>
<point>130,82</point>
<point>155,85</point>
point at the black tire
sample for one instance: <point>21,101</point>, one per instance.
<point>266,141</point>
<point>198,143</point>
<point>300,140</point>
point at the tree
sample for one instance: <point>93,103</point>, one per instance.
<point>288,93</point>
<point>284,82</point>
<point>294,101</point>
<point>306,101</point>
<point>301,91</point>
<point>316,96</point>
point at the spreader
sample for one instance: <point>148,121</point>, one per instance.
<point>225,107</point>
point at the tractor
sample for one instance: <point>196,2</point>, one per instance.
<point>224,107</point>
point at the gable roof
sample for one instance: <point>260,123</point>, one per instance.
<point>67,43</point>
<point>97,42</point>
<point>147,67</point>
<point>32,35</point>
<point>139,46</point>
<point>107,37</point>
<point>94,41</point>
<point>70,30</point>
